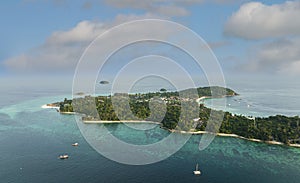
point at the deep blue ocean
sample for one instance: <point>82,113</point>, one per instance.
<point>32,138</point>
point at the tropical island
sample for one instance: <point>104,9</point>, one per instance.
<point>104,82</point>
<point>277,129</point>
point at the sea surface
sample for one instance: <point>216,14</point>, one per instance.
<point>261,99</point>
<point>32,138</point>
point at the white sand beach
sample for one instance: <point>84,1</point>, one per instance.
<point>47,106</point>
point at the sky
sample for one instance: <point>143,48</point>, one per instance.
<point>250,39</point>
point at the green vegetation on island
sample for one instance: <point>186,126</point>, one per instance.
<point>104,82</point>
<point>168,105</point>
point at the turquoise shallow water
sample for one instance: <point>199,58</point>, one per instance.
<point>31,138</point>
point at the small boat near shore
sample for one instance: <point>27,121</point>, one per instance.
<point>197,171</point>
<point>64,156</point>
<point>75,144</point>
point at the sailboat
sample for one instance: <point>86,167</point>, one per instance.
<point>197,171</point>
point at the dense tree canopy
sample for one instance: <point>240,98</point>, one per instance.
<point>168,105</point>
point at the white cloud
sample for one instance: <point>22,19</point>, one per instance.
<point>166,8</point>
<point>280,56</point>
<point>218,44</point>
<point>163,8</point>
<point>255,20</point>
<point>82,32</point>
<point>62,50</point>
<point>292,69</point>
<point>171,11</point>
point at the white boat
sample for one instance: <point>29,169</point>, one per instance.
<point>65,156</point>
<point>75,144</point>
<point>197,171</point>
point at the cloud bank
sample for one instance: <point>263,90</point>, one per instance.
<point>279,56</point>
<point>165,8</point>
<point>255,20</point>
<point>62,50</point>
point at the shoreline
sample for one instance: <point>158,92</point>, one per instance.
<point>234,136</point>
<point>211,97</point>
<point>67,112</point>
<point>202,99</point>
<point>116,122</point>
<point>49,106</point>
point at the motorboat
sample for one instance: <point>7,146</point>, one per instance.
<point>197,171</point>
<point>64,156</point>
<point>75,144</point>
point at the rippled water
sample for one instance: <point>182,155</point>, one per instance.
<point>257,99</point>
<point>31,139</point>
